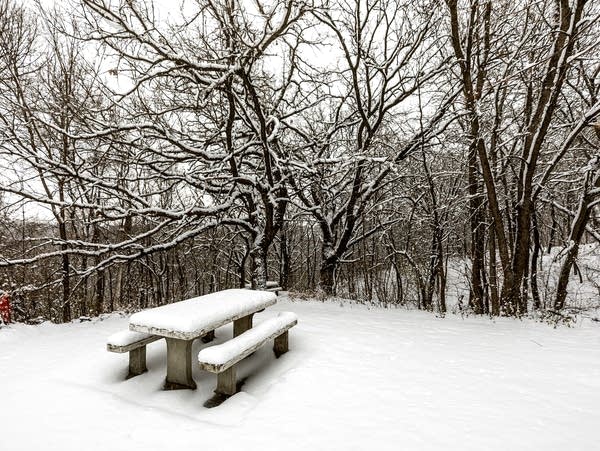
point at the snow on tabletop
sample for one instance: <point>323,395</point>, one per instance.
<point>125,338</point>
<point>193,315</point>
<point>223,353</point>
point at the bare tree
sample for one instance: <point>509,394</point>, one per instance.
<point>355,139</point>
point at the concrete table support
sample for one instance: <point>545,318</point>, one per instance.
<point>210,336</point>
<point>242,325</point>
<point>179,364</point>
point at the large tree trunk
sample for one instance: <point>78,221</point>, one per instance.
<point>66,268</point>
<point>441,272</point>
<point>535,294</point>
<point>66,289</point>
<point>124,233</point>
<point>494,297</point>
<point>258,257</point>
<point>99,293</point>
<point>242,268</point>
<point>329,263</point>
<point>433,273</point>
<point>476,294</point>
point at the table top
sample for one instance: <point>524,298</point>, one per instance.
<point>195,317</point>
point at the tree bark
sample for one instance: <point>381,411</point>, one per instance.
<point>327,275</point>
<point>284,265</point>
<point>535,294</point>
<point>258,257</point>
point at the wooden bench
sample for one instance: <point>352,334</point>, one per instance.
<point>134,343</point>
<point>222,359</point>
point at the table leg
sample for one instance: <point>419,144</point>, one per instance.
<point>179,364</point>
<point>242,325</point>
<point>210,336</point>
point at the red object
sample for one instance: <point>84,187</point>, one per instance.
<point>5,308</point>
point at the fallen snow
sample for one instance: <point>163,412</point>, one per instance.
<point>224,353</point>
<point>355,379</point>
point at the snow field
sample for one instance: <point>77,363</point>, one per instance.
<point>355,379</point>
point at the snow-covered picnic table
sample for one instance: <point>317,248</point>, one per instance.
<point>182,322</point>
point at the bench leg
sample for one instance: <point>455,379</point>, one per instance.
<point>179,364</point>
<point>281,345</point>
<point>137,362</point>
<point>242,325</point>
<point>226,382</point>
<point>210,336</point>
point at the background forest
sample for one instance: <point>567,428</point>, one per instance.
<point>428,153</point>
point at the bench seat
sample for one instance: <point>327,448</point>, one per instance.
<point>126,340</point>
<point>222,358</point>
<point>134,343</point>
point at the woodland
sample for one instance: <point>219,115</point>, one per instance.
<point>376,150</point>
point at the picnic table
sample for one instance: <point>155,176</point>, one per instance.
<point>182,322</point>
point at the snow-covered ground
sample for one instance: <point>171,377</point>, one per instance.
<point>356,378</point>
